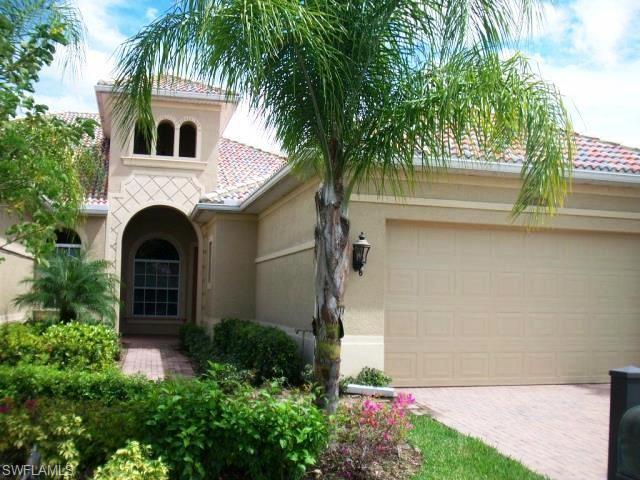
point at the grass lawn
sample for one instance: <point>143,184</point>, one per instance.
<point>449,454</point>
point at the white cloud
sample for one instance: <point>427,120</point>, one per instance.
<point>102,30</point>
<point>603,102</point>
<point>151,14</point>
<point>586,55</point>
<point>553,24</point>
<point>66,90</point>
<point>601,27</point>
<point>246,127</point>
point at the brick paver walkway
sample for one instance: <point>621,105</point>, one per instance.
<point>154,357</point>
<point>557,430</point>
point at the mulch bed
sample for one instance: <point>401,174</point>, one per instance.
<point>404,465</point>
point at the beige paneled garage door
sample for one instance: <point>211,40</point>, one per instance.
<point>478,306</point>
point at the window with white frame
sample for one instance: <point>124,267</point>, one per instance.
<point>156,283</point>
<point>68,242</point>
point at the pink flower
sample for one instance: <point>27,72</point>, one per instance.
<point>370,406</point>
<point>31,405</point>
<point>5,406</point>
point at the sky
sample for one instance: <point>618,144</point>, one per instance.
<point>590,49</point>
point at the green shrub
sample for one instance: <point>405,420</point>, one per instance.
<point>72,345</point>
<point>133,462</point>
<point>20,343</point>
<point>368,376</point>
<point>204,433</point>
<point>268,351</point>
<point>109,386</point>
<point>195,341</point>
<point>56,434</point>
<point>80,288</point>
<point>202,428</point>
<point>77,345</point>
<point>85,433</point>
<point>229,377</point>
<point>108,427</point>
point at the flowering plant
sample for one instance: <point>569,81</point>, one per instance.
<point>366,434</point>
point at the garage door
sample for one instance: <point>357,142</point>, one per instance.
<point>489,306</point>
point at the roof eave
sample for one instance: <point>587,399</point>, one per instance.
<point>168,93</point>
<point>235,206</point>
<point>510,169</point>
<point>94,210</point>
<point>456,165</point>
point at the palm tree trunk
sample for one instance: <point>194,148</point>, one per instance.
<point>332,266</point>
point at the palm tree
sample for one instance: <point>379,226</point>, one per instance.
<point>81,289</point>
<point>363,91</point>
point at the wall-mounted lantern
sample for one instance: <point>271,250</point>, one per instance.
<point>360,251</point>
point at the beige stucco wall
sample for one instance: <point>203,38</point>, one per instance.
<point>92,231</point>
<point>15,265</point>
<point>285,251</point>
<point>229,282</point>
<point>18,264</point>
<point>210,120</point>
<point>285,233</point>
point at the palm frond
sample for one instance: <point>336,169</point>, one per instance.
<point>360,90</point>
<point>77,286</point>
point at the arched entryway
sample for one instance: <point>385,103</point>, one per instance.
<point>159,272</point>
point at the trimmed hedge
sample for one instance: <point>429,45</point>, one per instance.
<point>73,345</point>
<point>32,381</point>
<point>267,351</point>
<point>195,341</point>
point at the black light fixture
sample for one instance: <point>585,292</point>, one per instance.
<point>360,251</point>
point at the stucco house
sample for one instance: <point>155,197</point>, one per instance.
<point>454,293</point>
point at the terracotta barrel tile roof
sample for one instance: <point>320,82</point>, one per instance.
<point>591,154</point>
<point>243,169</point>
<point>179,84</point>
<point>96,188</point>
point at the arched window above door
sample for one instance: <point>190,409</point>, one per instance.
<point>166,137</point>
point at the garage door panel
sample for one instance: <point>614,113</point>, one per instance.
<point>472,365</point>
<point>470,306</point>
<point>508,365</point>
<point>437,283</point>
<point>399,323</point>
<point>437,365</point>
<point>507,284</point>
<point>437,324</point>
<point>402,366</point>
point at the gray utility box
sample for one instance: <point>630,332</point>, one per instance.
<point>624,434</point>
<point>629,445</point>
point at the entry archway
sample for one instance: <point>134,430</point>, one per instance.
<point>159,272</point>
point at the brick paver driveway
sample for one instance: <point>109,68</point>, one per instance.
<point>557,430</point>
